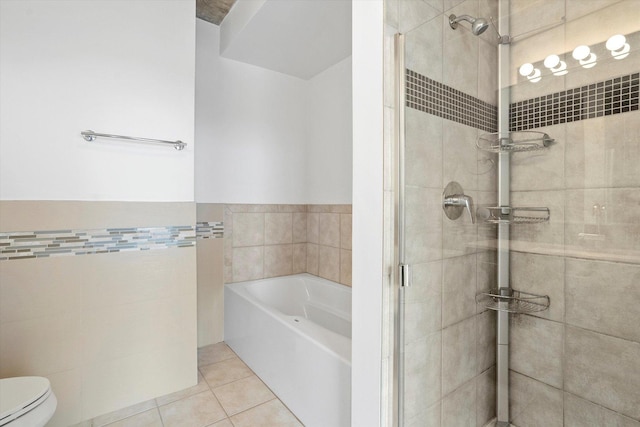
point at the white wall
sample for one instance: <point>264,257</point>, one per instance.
<point>330,148</point>
<point>250,128</point>
<point>367,273</point>
<point>124,67</point>
<point>266,137</point>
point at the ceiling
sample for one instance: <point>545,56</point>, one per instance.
<point>213,11</point>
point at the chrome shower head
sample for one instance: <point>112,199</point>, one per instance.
<point>478,25</point>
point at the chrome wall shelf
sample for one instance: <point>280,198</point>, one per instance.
<point>511,215</point>
<point>514,141</point>
<point>512,301</point>
<point>90,135</point>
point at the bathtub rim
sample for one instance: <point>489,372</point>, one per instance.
<point>342,345</point>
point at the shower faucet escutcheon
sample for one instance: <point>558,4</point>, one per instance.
<point>454,201</point>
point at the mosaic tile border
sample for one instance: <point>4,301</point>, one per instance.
<point>429,96</point>
<point>210,230</point>
<point>43,244</point>
<point>613,96</point>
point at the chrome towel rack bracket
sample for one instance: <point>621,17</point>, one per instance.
<point>90,135</point>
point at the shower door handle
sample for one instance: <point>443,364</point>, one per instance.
<point>454,201</point>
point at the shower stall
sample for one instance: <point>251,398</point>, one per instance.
<point>516,247</point>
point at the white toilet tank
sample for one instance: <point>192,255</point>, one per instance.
<point>26,402</point>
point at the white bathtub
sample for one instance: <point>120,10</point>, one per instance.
<point>295,333</point>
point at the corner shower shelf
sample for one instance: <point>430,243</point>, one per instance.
<point>510,215</point>
<point>512,142</point>
<point>516,302</point>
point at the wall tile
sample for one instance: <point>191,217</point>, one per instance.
<point>299,258</point>
<point>530,15</point>
<point>345,231</point>
<point>459,407</point>
<point>601,151</point>
<point>604,370</point>
<point>40,346</point>
<point>579,413</point>
<point>458,354</point>
<point>423,149</point>
<point>413,13</point>
<point>248,229</point>
<point>299,227</point>
<point>486,397</point>
<point>543,170</point>
<point>313,223</point>
<point>542,275</point>
<point>461,71</point>
<point>486,340</point>
<point>431,416</point>
<point>345,267</point>
<point>278,228</point>
<point>616,227</point>
<point>329,263</point>
<point>278,260</point>
<point>533,403</point>
<point>426,284</point>
<point>458,289</point>
<point>528,236</point>
<point>421,318</point>
<point>423,225</point>
<point>537,348</point>
<point>604,297</point>
<point>329,229</point>
<point>312,258</point>
<point>460,161</point>
<point>422,374</point>
<point>248,263</point>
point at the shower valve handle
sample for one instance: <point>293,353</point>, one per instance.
<point>464,201</point>
<point>454,201</point>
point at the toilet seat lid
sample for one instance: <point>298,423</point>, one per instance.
<point>20,392</point>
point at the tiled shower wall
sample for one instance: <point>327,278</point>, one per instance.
<point>578,364</point>
<point>449,352</point>
<point>276,240</point>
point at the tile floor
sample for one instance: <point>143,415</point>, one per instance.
<point>228,394</point>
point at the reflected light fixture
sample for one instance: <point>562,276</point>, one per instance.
<point>584,56</point>
<point>530,72</point>
<point>557,67</point>
<point>618,46</point>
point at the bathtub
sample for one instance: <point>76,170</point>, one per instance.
<point>295,333</point>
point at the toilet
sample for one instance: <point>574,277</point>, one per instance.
<point>26,402</point>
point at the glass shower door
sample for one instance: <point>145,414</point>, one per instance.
<point>446,344</point>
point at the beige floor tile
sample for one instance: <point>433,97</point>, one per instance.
<point>243,394</point>
<point>149,418</point>
<point>272,413</point>
<point>121,414</point>
<point>199,388</point>
<point>223,423</point>
<point>214,353</point>
<point>225,372</point>
<point>199,410</point>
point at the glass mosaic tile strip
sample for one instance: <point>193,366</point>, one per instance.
<point>432,97</point>
<point>40,244</point>
<point>210,230</point>
<point>613,96</point>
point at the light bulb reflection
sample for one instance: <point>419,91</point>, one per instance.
<point>526,69</point>
<point>616,42</point>
<point>621,53</point>
<point>581,52</point>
